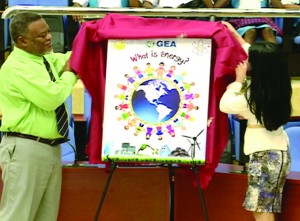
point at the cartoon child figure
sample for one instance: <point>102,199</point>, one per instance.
<point>187,117</point>
<point>171,71</point>
<point>124,116</point>
<point>130,123</point>
<point>148,132</point>
<point>122,106</point>
<point>149,70</point>
<point>122,87</point>
<point>179,123</point>
<point>187,86</point>
<point>130,79</point>
<point>171,131</point>
<point>191,96</point>
<point>159,132</point>
<point>160,70</point>
<point>121,97</point>
<point>138,72</point>
<point>179,77</point>
<point>190,106</point>
<point>138,129</point>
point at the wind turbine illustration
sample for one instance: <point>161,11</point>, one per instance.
<point>194,143</point>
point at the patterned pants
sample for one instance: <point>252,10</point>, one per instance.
<point>266,178</point>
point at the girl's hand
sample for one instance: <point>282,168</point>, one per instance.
<point>241,71</point>
<point>229,26</point>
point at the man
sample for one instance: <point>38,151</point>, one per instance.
<point>34,83</point>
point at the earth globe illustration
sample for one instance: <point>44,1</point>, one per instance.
<point>155,101</point>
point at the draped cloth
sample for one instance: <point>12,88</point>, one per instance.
<point>89,61</point>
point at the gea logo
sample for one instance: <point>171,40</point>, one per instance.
<point>166,44</point>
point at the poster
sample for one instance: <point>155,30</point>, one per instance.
<point>156,100</point>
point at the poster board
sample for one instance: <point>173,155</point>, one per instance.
<point>156,100</point>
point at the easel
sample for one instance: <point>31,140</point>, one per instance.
<point>171,180</point>
<point>200,193</point>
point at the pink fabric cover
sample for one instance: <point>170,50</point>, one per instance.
<point>89,61</point>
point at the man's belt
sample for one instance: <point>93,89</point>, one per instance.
<point>52,142</point>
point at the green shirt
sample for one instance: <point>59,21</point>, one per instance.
<point>28,97</point>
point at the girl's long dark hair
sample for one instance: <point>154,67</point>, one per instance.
<point>270,92</point>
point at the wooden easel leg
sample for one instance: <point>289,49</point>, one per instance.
<point>200,193</point>
<point>112,169</point>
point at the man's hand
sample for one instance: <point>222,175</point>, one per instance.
<point>77,18</point>
<point>147,4</point>
<point>67,66</point>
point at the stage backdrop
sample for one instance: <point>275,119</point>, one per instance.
<point>156,102</point>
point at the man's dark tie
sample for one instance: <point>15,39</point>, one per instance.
<point>61,112</point>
